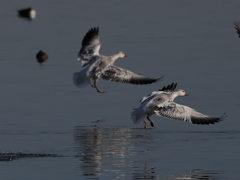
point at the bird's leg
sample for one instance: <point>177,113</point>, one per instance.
<point>95,85</point>
<point>145,124</point>
<point>92,83</point>
<point>151,122</point>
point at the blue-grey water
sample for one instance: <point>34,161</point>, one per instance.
<point>90,135</point>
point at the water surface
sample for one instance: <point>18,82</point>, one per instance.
<point>193,43</point>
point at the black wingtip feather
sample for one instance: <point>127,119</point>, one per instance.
<point>142,81</point>
<point>236,23</point>
<point>208,120</point>
<point>237,27</point>
<point>92,33</point>
<point>169,88</point>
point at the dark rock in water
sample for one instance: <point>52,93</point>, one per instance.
<point>41,57</point>
<point>27,13</point>
<point>13,156</point>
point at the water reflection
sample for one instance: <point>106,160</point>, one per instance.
<point>150,173</point>
<point>144,173</point>
<point>193,174</point>
<point>107,150</point>
<point>125,153</point>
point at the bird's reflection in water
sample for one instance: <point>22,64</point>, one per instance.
<point>193,174</point>
<point>105,151</point>
<point>208,174</point>
<point>144,173</point>
<point>124,153</point>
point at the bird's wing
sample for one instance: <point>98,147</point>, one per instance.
<point>117,74</point>
<point>145,108</point>
<point>167,90</point>
<point>93,67</point>
<point>237,27</point>
<point>179,112</point>
<point>149,96</point>
<point>90,45</point>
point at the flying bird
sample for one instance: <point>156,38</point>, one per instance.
<point>237,27</point>
<point>97,66</point>
<point>41,57</point>
<point>27,13</point>
<point>161,103</point>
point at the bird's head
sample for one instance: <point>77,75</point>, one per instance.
<point>122,54</point>
<point>182,93</point>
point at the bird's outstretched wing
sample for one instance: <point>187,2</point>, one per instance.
<point>169,89</point>
<point>179,112</point>
<point>237,27</point>
<point>117,74</point>
<point>90,45</point>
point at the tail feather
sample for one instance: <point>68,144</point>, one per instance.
<point>137,116</point>
<point>80,79</point>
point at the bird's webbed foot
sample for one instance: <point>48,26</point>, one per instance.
<point>100,91</point>
<point>96,86</point>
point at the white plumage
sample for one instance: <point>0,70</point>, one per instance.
<point>161,103</point>
<point>97,66</point>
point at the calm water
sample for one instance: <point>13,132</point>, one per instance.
<point>90,135</point>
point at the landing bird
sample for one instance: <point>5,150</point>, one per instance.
<point>97,66</point>
<point>27,13</point>
<point>237,27</point>
<point>161,103</point>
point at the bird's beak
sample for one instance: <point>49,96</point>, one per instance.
<point>186,94</point>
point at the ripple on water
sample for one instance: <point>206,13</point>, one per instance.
<point>121,152</point>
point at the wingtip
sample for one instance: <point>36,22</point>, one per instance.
<point>95,29</point>
<point>224,116</point>
<point>92,33</point>
<point>236,22</point>
<point>170,87</point>
<point>158,79</point>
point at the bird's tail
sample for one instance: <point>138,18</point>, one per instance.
<point>80,79</point>
<point>137,116</point>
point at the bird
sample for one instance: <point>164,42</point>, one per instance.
<point>97,66</point>
<point>41,57</point>
<point>161,103</point>
<point>27,13</point>
<point>237,27</point>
